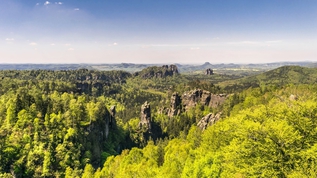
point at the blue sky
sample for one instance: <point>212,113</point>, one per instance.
<point>157,31</point>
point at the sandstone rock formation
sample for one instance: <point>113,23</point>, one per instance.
<point>208,120</point>
<point>173,69</point>
<point>209,72</point>
<point>158,72</point>
<point>112,121</point>
<point>293,97</point>
<point>191,98</point>
<point>217,100</point>
<point>145,122</point>
<point>175,106</point>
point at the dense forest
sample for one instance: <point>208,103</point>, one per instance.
<point>158,123</point>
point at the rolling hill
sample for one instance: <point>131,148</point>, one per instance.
<point>279,77</point>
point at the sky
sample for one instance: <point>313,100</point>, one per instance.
<point>158,31</point>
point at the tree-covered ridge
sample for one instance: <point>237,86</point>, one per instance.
<point>278,77</point>
<point>67,75</point>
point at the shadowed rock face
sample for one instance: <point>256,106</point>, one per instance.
<point>173,69</point>
<point>145,121</point>
<point>112,122</point>
<point>208,120</point>
<point>209,72</point>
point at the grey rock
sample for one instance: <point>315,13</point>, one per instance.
<point>208,120</point>
<point>180,104</point>
<point>145,121</point>
<point>158,72</point>
<point>217,100</point>
<point>191,98</point>
<point>209,72</point>
<point>173,69</point>
<point>175,106</point>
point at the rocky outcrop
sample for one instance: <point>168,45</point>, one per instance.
<point>112,121</point>
<point>191,98</point>
<point>293,97</point>
<point>208,120</point>
<point>217,100</point>
<point>175,106</point>
<point>173,69</point>
<point>145,122</point>
<point>158,72</point>
<point>209,72</point>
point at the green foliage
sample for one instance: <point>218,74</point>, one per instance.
<point>56,124</point>
<point>270,136</point>
<point>45,132</point>
<point>279,77</point>
<point>88,171</point>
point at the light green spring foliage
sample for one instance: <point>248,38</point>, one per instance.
<point>49,135</point>
<point>47,129</point>
<point>272,137</point>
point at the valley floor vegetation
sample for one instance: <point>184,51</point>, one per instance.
<point>89,123</point>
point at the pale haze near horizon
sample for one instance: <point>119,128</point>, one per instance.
<point>166,31</point>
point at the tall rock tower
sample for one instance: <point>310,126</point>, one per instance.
<point>145,121</point>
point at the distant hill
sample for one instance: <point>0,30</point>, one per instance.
<point>44,66</point>
<point>227,69</point>
<point>280,77</point>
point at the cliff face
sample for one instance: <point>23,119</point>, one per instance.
<point>98,132</point>
<point>217,100</point>
<point>190,99</point>
<point>175,106</point>
<point>145,122</point>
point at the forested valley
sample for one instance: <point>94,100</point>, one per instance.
<point>158,123</point>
